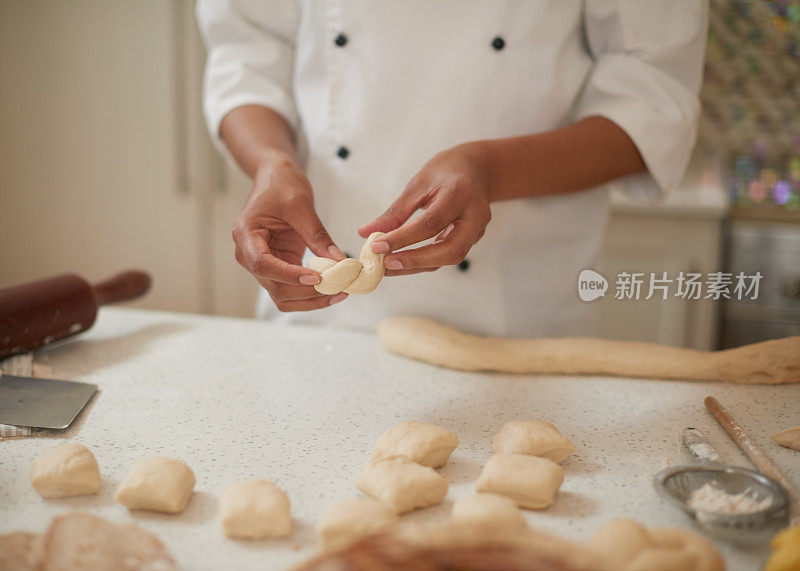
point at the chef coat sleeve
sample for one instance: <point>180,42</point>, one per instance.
<point>648,66</point>
<point>250,58</point>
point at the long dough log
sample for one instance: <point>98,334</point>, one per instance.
<point>769,362</point>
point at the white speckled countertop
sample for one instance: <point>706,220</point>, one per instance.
<point>303,406</point>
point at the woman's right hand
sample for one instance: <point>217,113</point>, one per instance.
<point>276,224</point>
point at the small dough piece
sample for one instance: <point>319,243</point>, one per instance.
<point>337,277</point>
<point>530,481</point>
<point>372,268</point>
<point>488,509</point>
<point>790,437</point>
<point>402,484</point>
<point>90,543</point>
<point>358,277</point>
<point>254,509</point>
<point>349,520</point>
<point>627,545</point>
<point>426,444</point>
<point>157,484</point>
<point>534,437</point>
<point>68,470</point>
<point>320,264</point>
<point>20,551</point>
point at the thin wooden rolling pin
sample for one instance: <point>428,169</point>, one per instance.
<point>756,454</point>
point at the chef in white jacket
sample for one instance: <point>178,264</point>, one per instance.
<point>480,135</point>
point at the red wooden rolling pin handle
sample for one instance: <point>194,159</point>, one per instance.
<point>37,313</point>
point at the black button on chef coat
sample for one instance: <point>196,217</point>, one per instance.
<point>343,152</point>
<point>498,43</point>
<point>340,40</point>
<point>463,265</point>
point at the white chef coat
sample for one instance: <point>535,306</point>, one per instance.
<point>374,88</point>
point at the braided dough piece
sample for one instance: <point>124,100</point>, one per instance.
<point>627,545</point>
<point>350,275</point>
<point>88,542</point>
<point>771,362</point>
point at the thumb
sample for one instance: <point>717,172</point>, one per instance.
<point>400,211</point>
<point>316,237</point>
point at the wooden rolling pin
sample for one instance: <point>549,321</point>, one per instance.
<point>764,464</point>
<point>37,313</point>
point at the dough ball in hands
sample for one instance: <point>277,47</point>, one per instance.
<point>348,520</point>
<point>255,509</point>
<point>68,470</point>
<point>426,444</point>
<point>790,437</point>
<point>534,437</point>
<point>488,509</point>
<point>402,484</point>
<point>530,481</point>
<point>157,484</point>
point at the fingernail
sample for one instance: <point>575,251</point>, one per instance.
<point>338,297</point>
<point>393,264</point>
<point>336,253</point>
<point>380,247</point>
<point>309,279</point>
<point>447,231</point>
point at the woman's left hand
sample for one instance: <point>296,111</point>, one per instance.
<point>453,189</point>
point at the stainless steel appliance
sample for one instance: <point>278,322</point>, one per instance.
<point>773,249</point>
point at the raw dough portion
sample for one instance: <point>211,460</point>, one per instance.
<point>20,551</point>
<point>790,437</point>
<point>348,520</point>
<point>488,509</point>
<point>157,484</point>
<point>626,545</point>
<point>530,481</point>
<point>350,275</point>
<point>90,543</point>
<point>335,276</point>
<point>254,509</point>
<point>426,444</point>
<point>402,484</point>
<point>68,470</point>
<point>769,362</point>
<point>534,437</point>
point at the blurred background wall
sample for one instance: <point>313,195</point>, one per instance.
<point>105,164</point>
<point>104,159</point>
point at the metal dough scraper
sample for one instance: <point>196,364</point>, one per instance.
<point>41,403</point>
